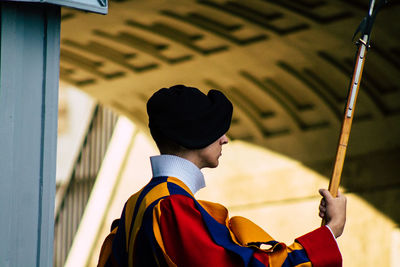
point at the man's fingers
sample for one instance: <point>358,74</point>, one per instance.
<point>322,209</point>
<point>325,194</point>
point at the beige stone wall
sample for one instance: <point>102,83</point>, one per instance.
<point>281,196</point>
<point>277,193</point>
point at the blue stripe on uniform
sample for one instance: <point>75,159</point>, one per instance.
<point>119,242</point>
<point>148,251</point>
<point>153,183</point>
<point>296,257</point>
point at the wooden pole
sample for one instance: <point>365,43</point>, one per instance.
<point>363,45</point>
<point>347,122</point>
<point>348,119</point>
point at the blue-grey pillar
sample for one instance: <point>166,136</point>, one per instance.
<point>29,67</point>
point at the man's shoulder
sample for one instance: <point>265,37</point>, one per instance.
<point>157,189</point>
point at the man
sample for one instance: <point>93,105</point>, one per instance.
<point>164,225</point>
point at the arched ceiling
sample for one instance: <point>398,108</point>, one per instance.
<point>284,64</point>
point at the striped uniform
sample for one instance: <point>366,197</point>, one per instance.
<point>164,225</point>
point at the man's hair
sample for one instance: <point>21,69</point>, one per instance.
<point>165,144</point>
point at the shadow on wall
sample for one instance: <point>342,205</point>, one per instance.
<point>374,177</point>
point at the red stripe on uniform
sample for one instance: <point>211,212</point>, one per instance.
<point>186,238</point>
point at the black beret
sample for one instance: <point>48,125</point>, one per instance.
<point>189,117</point>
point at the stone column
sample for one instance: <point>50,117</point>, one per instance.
<point>29,69</point>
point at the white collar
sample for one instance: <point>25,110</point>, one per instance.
<point>183,169</point>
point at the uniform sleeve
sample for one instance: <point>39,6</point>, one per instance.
<point>321,248</point>
<point>189,239</point>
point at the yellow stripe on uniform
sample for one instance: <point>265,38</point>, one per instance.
<point>129,210</point>
<point>154,194</point>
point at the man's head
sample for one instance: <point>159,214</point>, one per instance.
<point>183,119</point>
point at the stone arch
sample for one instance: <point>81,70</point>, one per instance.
<point>285,65</point>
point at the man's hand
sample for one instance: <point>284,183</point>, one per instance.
<point>333,210</point>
